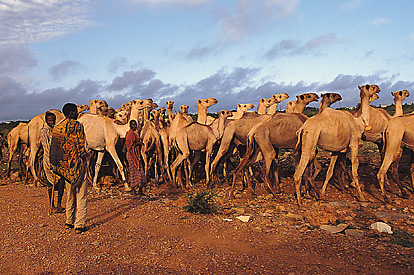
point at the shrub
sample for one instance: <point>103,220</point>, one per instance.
<point>201,202</point>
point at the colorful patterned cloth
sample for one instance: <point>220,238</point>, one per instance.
<point>136,172</point>
<point>45,140</point>
<point>68,145</point>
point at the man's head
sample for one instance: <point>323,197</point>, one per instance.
<point>133,125</point>
<point>50,119</point>
<point>70,110</point>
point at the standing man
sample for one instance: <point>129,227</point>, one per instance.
<point>46,140</point>
<point>68,158</point>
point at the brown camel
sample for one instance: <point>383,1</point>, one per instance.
<point>290,107</point>
<point>97,107</point>
<point>332,130</point>
<point>399,131</point>
<point>184,111</point>
<point>17,137</point>
<point>170,107</point>
<point>279,131</point>
<point>197,137</point>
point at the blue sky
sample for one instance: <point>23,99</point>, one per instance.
<point>238,51</point>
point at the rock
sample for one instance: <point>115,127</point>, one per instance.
<point>334,229</point>
<point>382,227</point>
<point>42,225</point>
<point>243,218</point>
<point>294,216</point>
<point>354,233</point>
<point>96,243</point>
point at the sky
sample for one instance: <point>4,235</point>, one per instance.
<point>237,51</point>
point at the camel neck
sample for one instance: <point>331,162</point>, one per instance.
<point>261,109</point>
<point>272,109</point>
<point>300,107</point>
<point>398,108</point>
<point>202,115</point>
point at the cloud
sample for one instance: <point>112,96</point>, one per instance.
<point>248,18</point>
<point>229,86</point>
<point>293,47</point>
<point>186,3</point>
<point>352,5</point>
<point>380,21</point>
<point>31,21</point>
<point>116,63</point>
<point>64,68</point>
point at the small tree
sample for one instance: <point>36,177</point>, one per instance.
<point>201,202</point>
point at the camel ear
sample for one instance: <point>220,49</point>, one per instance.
<point>367,86</point>
<point>302,97</point>
<point>199,101</point>
<point>392,93</point>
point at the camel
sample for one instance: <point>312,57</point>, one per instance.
<point>278,131</point>
<point>82,108</point>
<point>398,99</point>
<point>184,111</point>
<point>241,110</point>
<point>97,107</point>
<point>264,104</point>
<point>170,106</point>
<point>328,99</point>
<point>399,131</point>
<point>277,98</point>
<point>332,130</point>
<point>102,134</point>
<point>197,137</point>
<point>202,106</point>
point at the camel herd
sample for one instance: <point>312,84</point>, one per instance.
<point>173,143</point>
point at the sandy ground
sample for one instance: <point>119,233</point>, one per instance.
<point>154,234</point>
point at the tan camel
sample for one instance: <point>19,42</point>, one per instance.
<point>97,107</point>
<point>279,131</point>
<point>277,98</point>
<point>184,111</point>
<point>102,134</point>
<point>202,106</point>
<point>290,107</point>
<point>332,130</point>
<point>241,110</point>
<point>399,131</point>
<point>197,137</point>
<point>82,108</point>
<point>170,107</point>
<point>398,99</point>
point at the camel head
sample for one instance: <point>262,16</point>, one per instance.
<point>244,107</point>
<point>280,97</point>
<point>400,95</point>
<point>97,106</point>
<point>127,106</point>
<point>374,97</point>
<point>205,103</point>
<point>184,109</point>
<point>156,113</point>
<point>109,112</point>
<point>121,116</point>
<point>307,98</point>
<point>82,108</point>
<point>162,111</point>
<point>153,106</point>
<point>330,98</point>
<point>142,103</point>
<point>169,104</point>
<point>267,102</point>
<point>290,107</point>
<point>222,116</point>
<point>368,90</point>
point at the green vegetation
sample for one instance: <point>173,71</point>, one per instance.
<point>403,238</point>
<point>201,202</point>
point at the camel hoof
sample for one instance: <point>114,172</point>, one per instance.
<point>127,189</point>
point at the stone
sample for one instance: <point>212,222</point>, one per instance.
<point>239,211</point>
<point>354,233</point>
<point>294,216</point>
<point>243,218</point>
<point>381,227</point>
<point>333,229</point>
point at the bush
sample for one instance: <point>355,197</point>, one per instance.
<point>201,202</point>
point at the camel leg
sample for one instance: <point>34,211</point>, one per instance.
<point>180,158</point>
<point>317,166</point>
<point>394,172</point>
<point>97,168</point>
<point>392,149</point>
<point>354,166</point>
<point>412,168</point>
<point>329,173</point>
